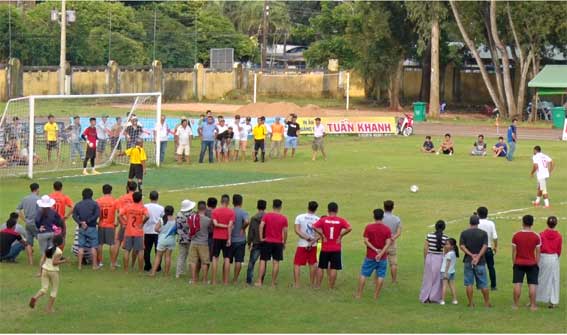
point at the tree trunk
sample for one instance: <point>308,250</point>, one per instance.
<point>395,83</point>
<point>508,87</point>
<point>425,74</point>
<point>472,48</point>
<point>494,56</point>
<point>434,89</point>
<point>523,79</point>
<point>535,71</point>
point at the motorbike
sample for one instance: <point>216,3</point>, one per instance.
<point>405,125</point>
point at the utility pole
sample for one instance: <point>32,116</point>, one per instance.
<point>265,33</point>
<point>62,59</point>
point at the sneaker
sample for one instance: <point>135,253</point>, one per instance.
<point>85,173</point>
<point>442,303</point>
<point>455,302</point>
<point>32,302</point>
<point>494,289</point>
<point>536,204</point>
<point>95,172</point>
<point>547,206</point>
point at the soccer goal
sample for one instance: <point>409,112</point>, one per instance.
<point>42,133</point>
<point>327,89</point>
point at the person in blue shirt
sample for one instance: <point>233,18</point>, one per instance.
<point>208,133</point>
<point>428,146</point>
<point>512,139</point>
<point>500,149</point>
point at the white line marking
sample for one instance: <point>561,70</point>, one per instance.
<point>229,185</point>
<point>81,175</point>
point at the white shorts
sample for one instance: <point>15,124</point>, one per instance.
<point>542,185</point>
<point>183,148</point>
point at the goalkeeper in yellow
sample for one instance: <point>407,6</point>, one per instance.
<point>138,158</point>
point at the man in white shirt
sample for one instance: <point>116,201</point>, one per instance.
<point>306,252</point>
<point>235,143</point>
<point>161,132</point>
<point>155,213</point>
<point>183,133</point>
<point>543,165</point>
<point>490,228</point>
<point>102,134</point>
<point>245,130</point>
<point>319,134</point>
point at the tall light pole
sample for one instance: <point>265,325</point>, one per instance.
<point>62,58</point>
<point>265,33</point>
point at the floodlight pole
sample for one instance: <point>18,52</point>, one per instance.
<point>62,59</point>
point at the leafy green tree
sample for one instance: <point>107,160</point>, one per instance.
<point>11,16</point>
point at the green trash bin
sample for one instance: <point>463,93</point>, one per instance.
<point>558,115</point>
<point>419,111</point>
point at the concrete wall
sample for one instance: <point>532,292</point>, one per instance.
<point>217,84</point>
<point>178,85</point>
<point>40,82</point>
<point>3,84</point>
<point>309,85</point>
<point>135,80</point>
<point>88,82</point>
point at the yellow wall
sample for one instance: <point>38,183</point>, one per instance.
<point>3,85</point>
<point>217,84</point>
<point>313,85</point>
<point>88,82</point>
<point>135,81</point>
<point>41,83</point>
<point>356,89</point>
<point>178,86</point>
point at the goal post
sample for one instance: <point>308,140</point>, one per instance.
<point>31,142</point>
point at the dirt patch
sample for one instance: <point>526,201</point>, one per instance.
<point>278,109</point>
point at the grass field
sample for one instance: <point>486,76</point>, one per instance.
<point>360,174</point>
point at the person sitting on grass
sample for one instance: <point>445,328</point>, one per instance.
<point>428,147</point>
<point>479,147</point>
<point>500,149</point>
<point>447,146</point>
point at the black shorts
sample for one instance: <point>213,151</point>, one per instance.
<point>332,258</point>
<point>448,151</point>
<point>270,251</point>
<point>259,145</point>
<point>236,252</point>
<point>91,153</point>
<point>219,245</point>
<point>136,171</point>
<point>530,271</point>
<point>51,145</point>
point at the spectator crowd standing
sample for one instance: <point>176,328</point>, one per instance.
<point>535,256</point>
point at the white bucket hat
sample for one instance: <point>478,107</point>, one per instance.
<point>187,205</point>
<point>45,202</point>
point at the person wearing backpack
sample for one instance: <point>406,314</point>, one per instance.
<point>199,227</point>
<point>184,237</point>
<point>167,229</point>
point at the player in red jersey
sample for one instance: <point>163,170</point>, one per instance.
<point>89,135</point>
<point>332,229</point>
<point>135,215</point>
<point>106,223</point>
<point>62,201</point>
<point>273,234</point>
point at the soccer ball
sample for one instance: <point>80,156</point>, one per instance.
<point>414,188</point>
<point>91,144</point>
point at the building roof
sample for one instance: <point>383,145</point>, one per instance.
<point>552,76</point>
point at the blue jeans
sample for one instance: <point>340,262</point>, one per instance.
<point>204,146</point>
<point>162,150</point>
<point>77,149</point>
<point>511,149</point>
<point>254,256</point>
<point>14,252</point>
<point>475,274</point>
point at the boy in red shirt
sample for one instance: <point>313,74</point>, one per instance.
<point>135,215</point>
<point>525,254</point>
<point>377,238</point>
<point>273,235</point>
<point>89,135</point>
<point>331,229</point>
<point>223,219</point>
<point>106,223</point>
<point>120,204</point>
<point>62,201</point>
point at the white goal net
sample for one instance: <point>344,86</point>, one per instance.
<point>43,133</point>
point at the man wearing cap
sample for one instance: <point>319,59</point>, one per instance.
<point>161,132</point>
<point>474,243</point>
<point>102,133</point>
<point>48,224</point>
<point>184,238</point>
<point>276,138</point>
<point>183,134</point>
<point>260,131</point>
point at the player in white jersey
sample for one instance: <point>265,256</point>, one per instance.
<point>306,252</point>
<point>543,165</point>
